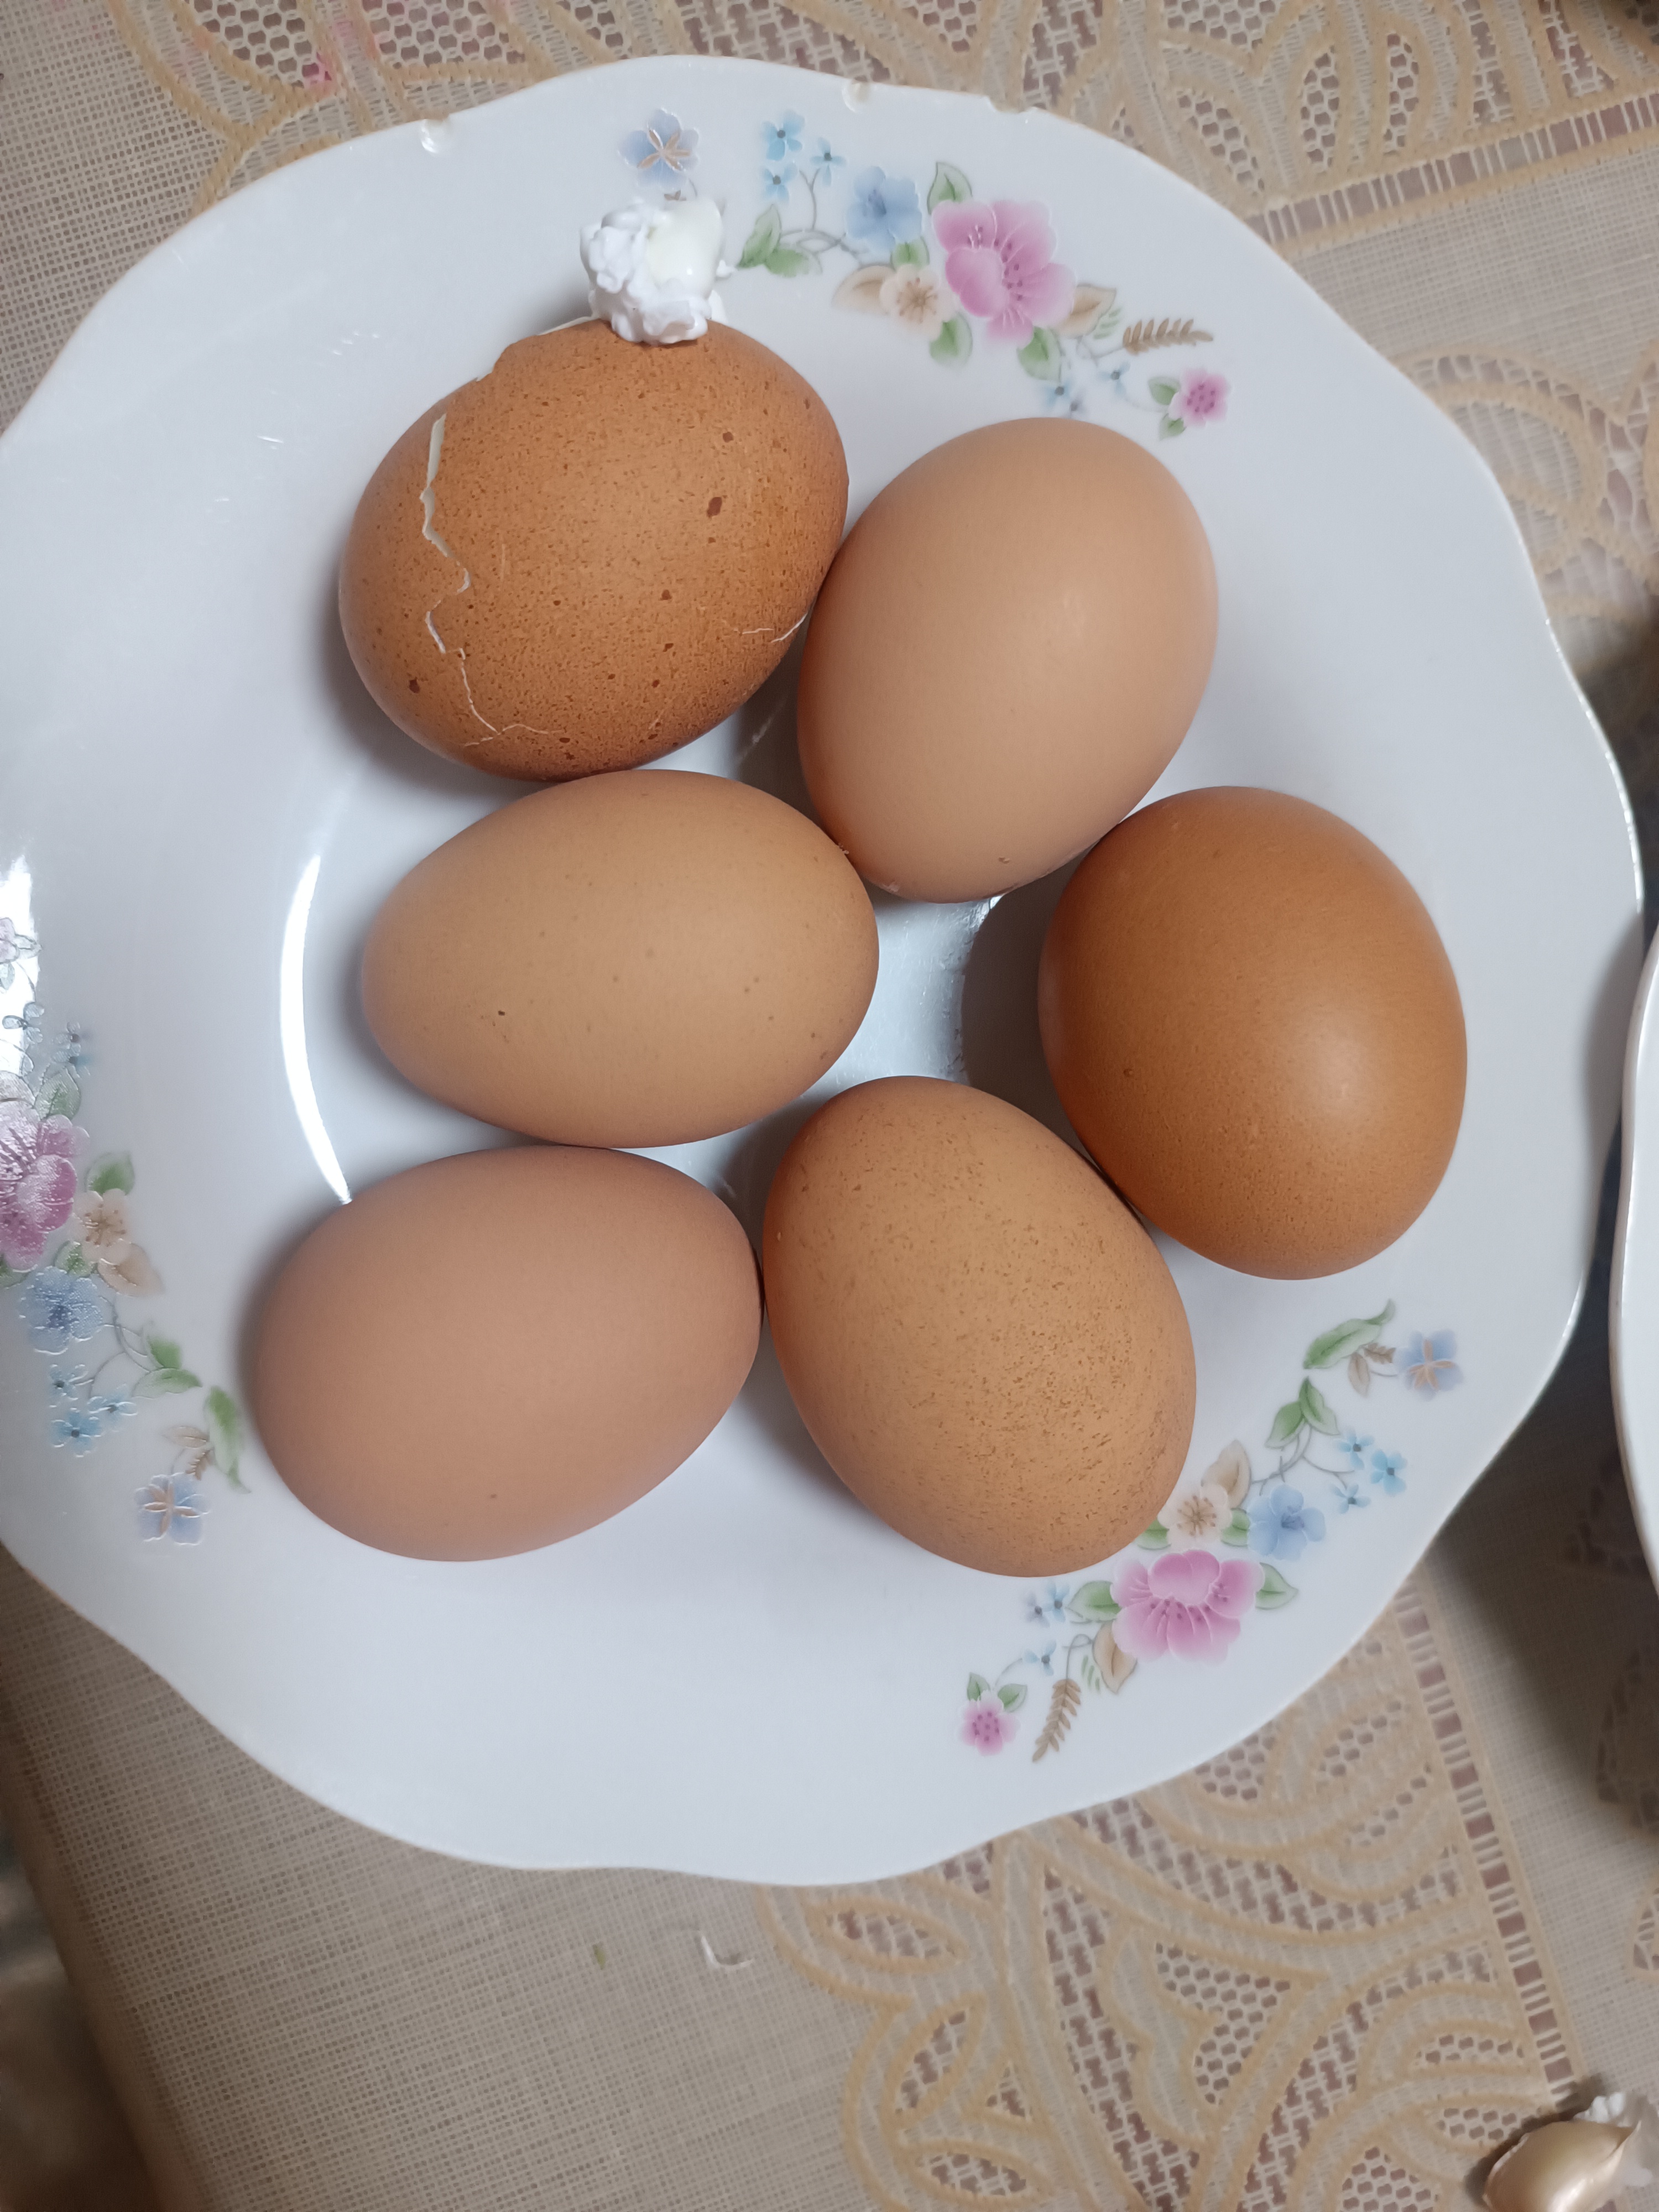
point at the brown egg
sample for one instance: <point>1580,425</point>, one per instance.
<point>1007,651</point>
<point>1255,1028</point>
<point>984,1343</point>
<point>593,553</point>
<point>632,960</point>
<point>490,1354</point>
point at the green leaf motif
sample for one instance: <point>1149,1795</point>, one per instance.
<point>1238,1530</point>
<point>791,261</point>
<point>948,183</point>
<point>62,1096</point>
<point>912,254</point>
<point>1088,1674</point>
<point>977,1686</point>
<point>112,1172</point>
<point>1041,356</point>
<point>164,1352</point>
<point>1274,1591</point>
<point>72,1260</point>
<point>1171,426</point>
<point>224,1421</point>
<point>1337,1344</point>
<point>769,229</point>
<point>1162,389</point>
<point>1287,1424</point>
<point>1011,1696</point>
<point>9,1275</point>
<point>166,1381</point>
<point>1156,1539</point>
<point>1094,1601</point>
<point>1316,1410</point>
<point>955,342</point>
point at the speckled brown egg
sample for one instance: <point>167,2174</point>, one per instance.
<point>1252,1022</point>
<point>1009,648</point>
<point>595,552</point>
<point>490,1354</point>
<point>629,960</point>
<point>984,1342</point>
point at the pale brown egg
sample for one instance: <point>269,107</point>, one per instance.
<point>636,959</point>
<point>593,553</point>
<point>983,1341</point>
<point>1253,1026</point>
<point>490,1354</point>
<point>1009,648</point>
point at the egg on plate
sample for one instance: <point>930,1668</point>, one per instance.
<point>593,553</point>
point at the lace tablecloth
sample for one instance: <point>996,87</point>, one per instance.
<point>1333,1969</point>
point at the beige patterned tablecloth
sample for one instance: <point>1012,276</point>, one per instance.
<point>1331,1970</point>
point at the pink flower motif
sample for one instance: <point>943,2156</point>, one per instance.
<point>37,1181</point>
<point>1187,1602</point>
<point>986,1725</point>
<point>1201,398</point>
<point>998,262</point>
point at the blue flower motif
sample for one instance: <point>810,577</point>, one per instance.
<point>1353,1447</point>
<point>1051,1607</point>
<point>1282,1526</point>
<point>1348,1495</point>
<point>171,1506</point>
<point>821,158</point>
<point>782,139</point>
<point>776,179</point>
<point>885,211</point>
<point>71,1048</point>
<point>80,1426</point>
<point>1045,1658</point>
<point>57,1306</point>
<point>1386,1471</point>
<point>662,153</point>
<point>119,1406</point>
<point>1428,1363</point>
<point>66,1382</point>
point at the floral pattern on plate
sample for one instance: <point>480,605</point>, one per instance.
<point>68,1248</point>
<point>1188,1599</point>
<point>995,276</point>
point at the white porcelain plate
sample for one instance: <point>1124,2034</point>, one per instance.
<point>1635,1303</point>
<point>744,1674</point>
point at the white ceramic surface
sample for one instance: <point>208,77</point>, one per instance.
<point>1634,1329</point>
<point>744,1674</point>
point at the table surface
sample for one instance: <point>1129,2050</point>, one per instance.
<point>1332,1969</point>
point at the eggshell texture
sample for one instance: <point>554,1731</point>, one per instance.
<point>1253,1026</point>
<point>593,553</point>
<point>632,960</point>
<point>488,1353</point>
<point>983,1341</point>
<point>1009,648</point>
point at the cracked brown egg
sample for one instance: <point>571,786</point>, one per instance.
<point>590,1315</point>
<point>983,1341</point>
<point>636,959</point>
<point>594,553</point>
<point>1009,648</point>
<point>1252,1022</point>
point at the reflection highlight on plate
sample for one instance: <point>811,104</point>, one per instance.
<point>291,1013</point>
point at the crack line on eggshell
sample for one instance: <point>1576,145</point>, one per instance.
<point>775,637</point>
<point>434,452</point>
<point>429,531</point>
